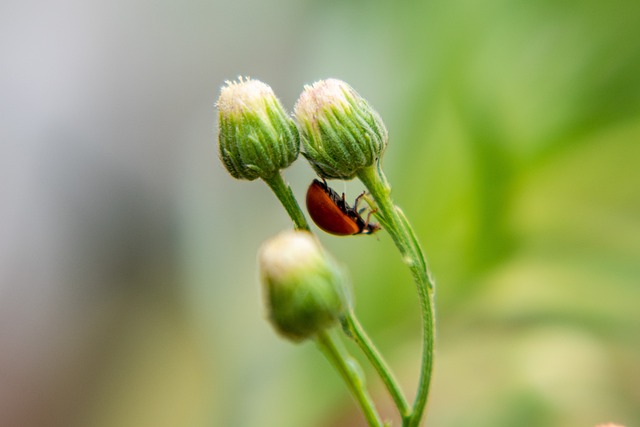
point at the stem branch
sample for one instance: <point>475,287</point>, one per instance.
<point>285,195</point>
<point>347,367</point>
<point>355,331</point>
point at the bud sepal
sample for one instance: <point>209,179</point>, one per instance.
<point>256,136</point>
<point>341,133</point>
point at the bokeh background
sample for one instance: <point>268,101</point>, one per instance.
<point>128,283</point>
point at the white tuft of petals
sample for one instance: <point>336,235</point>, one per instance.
<point>321,95</point>
<point>289,253</point>
<point>245,94</point>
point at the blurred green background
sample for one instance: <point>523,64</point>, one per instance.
<point>128,283</point>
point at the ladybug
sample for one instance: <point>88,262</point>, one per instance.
<point>332,214</point>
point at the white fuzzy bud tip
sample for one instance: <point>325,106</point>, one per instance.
<point>288,253</point>
<point>321,95</point>
<point>245,94</point>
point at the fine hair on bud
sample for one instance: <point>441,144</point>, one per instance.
<point>256,136</point>
<point>341,133</point>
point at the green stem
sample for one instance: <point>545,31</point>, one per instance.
<point>348,369</point>
<point>285,195</point>
<point>407,243</point>
<point>355,331</point>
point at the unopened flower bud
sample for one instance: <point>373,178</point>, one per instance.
<point>257,137</point>
<point>340,132</point>
<point>306,291</point>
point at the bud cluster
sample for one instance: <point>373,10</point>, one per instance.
<point>305,290</point>
<point>340,132</point>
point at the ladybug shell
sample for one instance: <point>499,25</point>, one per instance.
<point>330,212</point>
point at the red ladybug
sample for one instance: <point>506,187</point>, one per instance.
<point>332,214</point>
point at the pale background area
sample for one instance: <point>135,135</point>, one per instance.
<point>128,283</point>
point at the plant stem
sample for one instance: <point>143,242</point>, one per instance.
<point>332,348</point>
<point>354,330</point>
<point>407,243</point>
<point>285,195</point>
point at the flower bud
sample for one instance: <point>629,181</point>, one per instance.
<point>340,132</point>
<point>305,290</point>
<point>256,136</point>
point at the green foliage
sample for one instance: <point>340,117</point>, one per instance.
<point>518,150</point>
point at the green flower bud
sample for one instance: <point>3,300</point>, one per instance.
<point>306,291</point>
<point>340,132</point>
<point>257,137</point>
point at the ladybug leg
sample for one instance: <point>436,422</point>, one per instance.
<point>366,223</point>
<point>355,204</point>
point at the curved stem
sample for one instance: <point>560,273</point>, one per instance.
<point>354,330</point>
<point>407,243</point>
<point>348,369</point>
<point>426,369</point>
<point>285,195</point>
